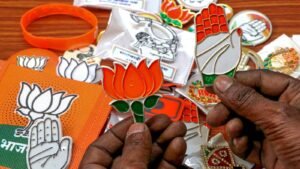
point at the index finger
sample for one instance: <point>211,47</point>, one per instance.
<point>100,153</point>
<point>268,83</point>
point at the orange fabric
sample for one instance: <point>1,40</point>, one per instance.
<point>3,66</point>
<point>83,121</point>
<point>59,43</point>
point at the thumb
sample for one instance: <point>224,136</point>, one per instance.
<point>138,147</point>
<point>64,153</point>
<point>246,102</point>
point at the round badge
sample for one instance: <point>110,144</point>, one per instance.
<point>250,60</point>
<point>195,5</point>
<point>283,60</point>
<point>228,11</point>
<point>257,27</point>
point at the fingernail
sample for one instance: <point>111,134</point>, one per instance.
<point>136,128</point>
<point>223,83</point>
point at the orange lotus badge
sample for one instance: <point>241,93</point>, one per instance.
<point>133,87</point>
<point>174,14</point>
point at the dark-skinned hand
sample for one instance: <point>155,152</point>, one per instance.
<point>261,111</point>
<point>157,144</point>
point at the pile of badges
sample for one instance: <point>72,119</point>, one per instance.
<point>155,57</point>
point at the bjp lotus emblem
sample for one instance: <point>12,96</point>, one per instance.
<point>174,14</point>
<point>133,87</point>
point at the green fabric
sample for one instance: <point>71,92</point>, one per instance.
<point>12,159</point>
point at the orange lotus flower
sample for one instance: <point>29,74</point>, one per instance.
<point>131,83</point>
<point>133,87</point>
<point>175,14</point>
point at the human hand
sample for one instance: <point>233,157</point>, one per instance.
<point>158,144</point>
<point>252,30</point>
<point>48,149</point>
<point>261,111</point>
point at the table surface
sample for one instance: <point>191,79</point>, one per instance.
<point>284,15</point>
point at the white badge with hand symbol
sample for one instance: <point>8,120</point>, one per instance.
<point>218,51</point>
<point>48,148</point>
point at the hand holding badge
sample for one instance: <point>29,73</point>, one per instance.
<point>218,52</point>
<point>133,87</point>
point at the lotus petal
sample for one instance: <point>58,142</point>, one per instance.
<point>55,102</point>
<point>43,101</point>
<point>31,63</point>
<point>43,63</point>
<point>168,5</point>
<point>80,72</point>
<point>39,63</point>
<point>23,111</point>
<point>134,85</point>
<point>108,76</point>
<point>62,66</point>
<point>92,73</point>
<point>98,77</point>
<point>186,16</point>
<point>65,104</point>
<point>118,80</point>
<point>33,94</point>
<point>70,68</point>
<point>175,12</point>
<point>26,60</point>
<point>21,61</point>
<point>34,115</point>
<point>157,75</point>
<point>23,94</point>
<point>146,74</point>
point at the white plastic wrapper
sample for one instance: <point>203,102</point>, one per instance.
<point>296,39</point>
<point>127,32</point>
<point>134,5</point>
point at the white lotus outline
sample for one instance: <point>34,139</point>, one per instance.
<point>78,70</point>
<point>35,103</point>
<point>34,63</point>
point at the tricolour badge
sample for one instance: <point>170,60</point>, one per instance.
<point>218,51</point>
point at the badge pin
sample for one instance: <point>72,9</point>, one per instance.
<point>256,27</point>
<point>133,87</point>
<point>283,60</point>
<point>174,14</point>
